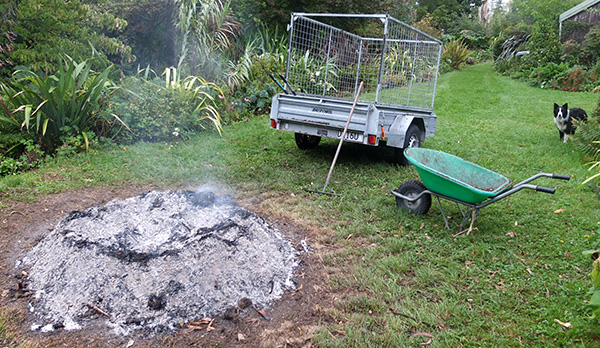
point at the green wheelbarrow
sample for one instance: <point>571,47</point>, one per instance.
<point>450,177</point>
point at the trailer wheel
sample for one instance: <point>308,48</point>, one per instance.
<point>307,142</point>
<point>412,139</point>
<point>411,189</point>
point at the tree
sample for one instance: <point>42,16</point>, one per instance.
<point>445,12</point>
<point>45,30</point>
<point>277,12</point>
<point>7,35</point>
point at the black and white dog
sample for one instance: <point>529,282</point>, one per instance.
<point>563,117</point>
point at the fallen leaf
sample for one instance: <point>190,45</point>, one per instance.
<point>424,334</point>
<point>558,211</point>
<point>427,343</point>
<point>422,225</point>
<point>516,223</point>
<point>529,271</point>
<point>511,234</point>
<point>240,337</point>
<point>567,325</point>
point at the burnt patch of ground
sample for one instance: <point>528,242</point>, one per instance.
<point>290,321</point>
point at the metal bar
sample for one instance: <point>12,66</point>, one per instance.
<point>382,63</point>
<point>327,62</point>
<point>547,175</point>
<point>360,50</point>
<point>401,41</point>
<point>437,71</point>
<point>379,16</point>
<point>442,210</point>
<point>289,53</point>
<point>412,73</point>
<point>347,15</point>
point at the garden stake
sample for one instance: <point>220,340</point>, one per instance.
<point>337,152</point>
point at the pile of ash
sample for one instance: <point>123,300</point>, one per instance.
<point>155,262</point>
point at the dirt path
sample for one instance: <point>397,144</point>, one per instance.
<point>290,322</point>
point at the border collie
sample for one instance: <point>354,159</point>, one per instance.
<point>563,117</point>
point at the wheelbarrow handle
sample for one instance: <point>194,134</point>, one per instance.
<point>545,189</point>
<point>561,177</point>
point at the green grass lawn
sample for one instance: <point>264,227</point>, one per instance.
<point>503,285</point>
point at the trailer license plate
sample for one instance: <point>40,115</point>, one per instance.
<point>351,136</point>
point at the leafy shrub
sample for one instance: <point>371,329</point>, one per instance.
<point>545,75</point>
<point>159,110</point>
<point>591,45</point>
<point>70,102</point>
<point>474,40</point>
<point>571,53</point>
<point>455,53</point>
<point>595,289</point>
<point>576,79</point>
<point>31,157</point>
<point>544,45</point>
<point>254,100</point>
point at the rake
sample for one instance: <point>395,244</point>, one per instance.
<point>337,152</point>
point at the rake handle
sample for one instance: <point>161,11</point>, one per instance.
<point>337,152</point>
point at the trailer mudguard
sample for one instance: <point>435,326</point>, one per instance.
<point>397,131</point>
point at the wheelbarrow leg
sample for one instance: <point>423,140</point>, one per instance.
<point>442,210</point>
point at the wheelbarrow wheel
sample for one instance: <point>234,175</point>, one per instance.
<point>307,142</point>
<point>411,189</point>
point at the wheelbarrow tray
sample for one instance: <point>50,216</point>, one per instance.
<point>452,176</point>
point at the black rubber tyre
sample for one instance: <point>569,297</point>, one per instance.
<point>413,188</point>
<point>412,139</point>
<point>306,142</point>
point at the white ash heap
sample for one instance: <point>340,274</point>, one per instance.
<point>155,262</point>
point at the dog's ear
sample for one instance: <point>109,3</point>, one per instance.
<point>556,107</point>
<point>566,106</point>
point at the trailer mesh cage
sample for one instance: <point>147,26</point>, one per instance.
<point>397,63</point>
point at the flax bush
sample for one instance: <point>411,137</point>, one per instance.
<point>70,102</point>
<point>455,53</point>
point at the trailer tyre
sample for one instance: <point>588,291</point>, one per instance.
<point>307,142</point>
<point>412,139</point>
<point>411,189</point>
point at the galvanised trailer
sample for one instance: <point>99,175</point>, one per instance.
<point>397,64</point>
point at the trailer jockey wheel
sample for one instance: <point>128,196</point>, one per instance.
<point>307,142</point>
<point>411,189</point>
<point>411,139</point>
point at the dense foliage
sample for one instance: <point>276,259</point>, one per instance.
<point>42,30</point>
